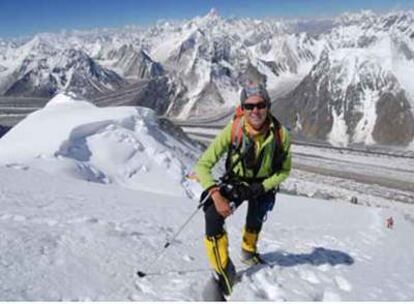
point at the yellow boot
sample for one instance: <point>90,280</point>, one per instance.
<point>249,253</point>
<point>218,257</point>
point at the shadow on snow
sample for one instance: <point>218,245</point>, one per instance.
<point>318,256</point>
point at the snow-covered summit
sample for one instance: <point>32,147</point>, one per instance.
<point>40,68</point>
<point>204,60</point>
<point>355,95</point>
<point>364,16</point>
<point>123,145</point>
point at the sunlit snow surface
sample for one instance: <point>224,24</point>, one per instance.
<point>88,196</point>
<point>122,145</point>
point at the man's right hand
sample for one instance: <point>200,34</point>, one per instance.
<point>222,204</point>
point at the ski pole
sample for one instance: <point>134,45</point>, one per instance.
<point>142,274</point>
<point>223,180</point>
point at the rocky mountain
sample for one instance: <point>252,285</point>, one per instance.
<point>132,63</point>
<point>346,79</point>
<point>356,101</point>
<point>206,57</point>
<point>360,91</point>
<point>41,70</point>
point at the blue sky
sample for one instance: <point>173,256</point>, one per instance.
<point>27,17</point>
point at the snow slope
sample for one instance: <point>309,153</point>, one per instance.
<point>107,145</point>
<point>64,239</point>
<point>73,226</point>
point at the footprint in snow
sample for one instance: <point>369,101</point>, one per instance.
<point>330,296</point>
<point>13,217</point>
<point>17,166</point>
<point>343,283</point>
<point>143,287</point>
<point>188,258</point>
<point>309,276</point>
<point>269,288</point>
<point>49,222</point>
<point>6,216</point>
<point>324,267</point>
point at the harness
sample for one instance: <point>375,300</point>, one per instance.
<point>240,141</point>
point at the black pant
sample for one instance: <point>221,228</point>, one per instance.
<point>256,212</point>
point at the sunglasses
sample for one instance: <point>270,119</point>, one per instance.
<point>251,106</point>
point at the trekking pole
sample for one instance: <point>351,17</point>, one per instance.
<point>223,179</point>
<point>142,274</point>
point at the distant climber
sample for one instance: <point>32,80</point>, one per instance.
<point>389,222</point>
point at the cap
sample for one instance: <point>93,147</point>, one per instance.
<point>254,89</point>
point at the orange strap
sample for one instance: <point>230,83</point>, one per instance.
<point>237,131</point>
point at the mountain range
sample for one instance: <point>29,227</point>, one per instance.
<point>347,80</point>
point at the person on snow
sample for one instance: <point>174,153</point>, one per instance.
<point>265,145</point>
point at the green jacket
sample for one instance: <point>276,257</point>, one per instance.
<point>221,144</point>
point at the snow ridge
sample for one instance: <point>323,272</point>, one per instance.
<point>121,145</point>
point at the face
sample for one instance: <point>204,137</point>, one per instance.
<point>255,116</point>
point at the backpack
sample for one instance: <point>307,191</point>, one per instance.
<point>237,144</point>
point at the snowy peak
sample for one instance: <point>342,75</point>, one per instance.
<point>352,96</point>
<point>211,22</point>
<point>211,19</point>
<point>204,60</point>
<point>127,146</point>
<point>359,91</point>
<point>213,13</point>
<point>287,52</point>
<point>364,18</point>
<point>134,64</point>
<point>365,28</point>
<point>353,66</point>
<point>43,73</point>
<point>39,45</point>
<point>401,21</point>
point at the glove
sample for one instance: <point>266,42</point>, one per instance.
<point>248,192</point>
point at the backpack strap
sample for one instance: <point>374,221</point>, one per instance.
<point>236,141</point>
<point>237,132</point>
<point>279,154</point>
<point>236,144</point>
<point>237,128</point>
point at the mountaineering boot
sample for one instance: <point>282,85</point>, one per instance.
<point>251,258</point>
<point>249,253</point>
<point>212,291</point>
<point>249,241</point>
<point>224,280</point>
<point>218,257</point>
